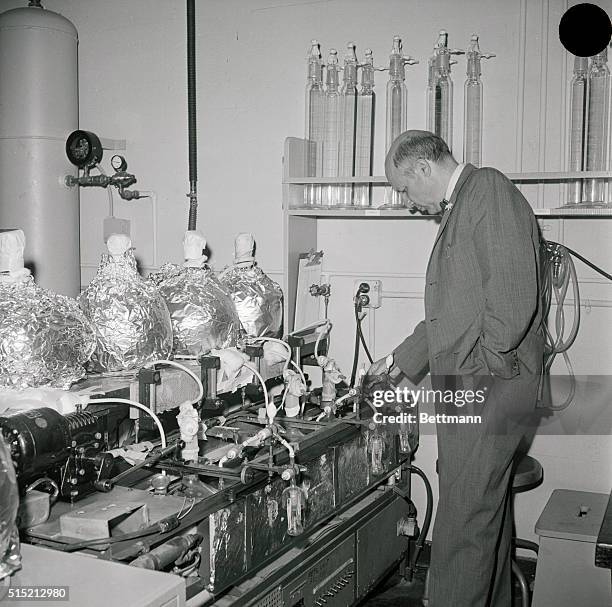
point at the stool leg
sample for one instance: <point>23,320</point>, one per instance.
<point>426,591</point>
<point>523,583</point>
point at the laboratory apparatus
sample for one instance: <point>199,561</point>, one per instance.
<point>45,338</point>
<point>578,125</point>
<point>39,101</point>
<point>397,95</point>
<point>202,313</point>
<point>597,139</point>
<point>430,99</point>
<point>124,483</point>
<point>315,123</point>
<point>333,130</point>
<point>442,99</point>
<point>472,126</point>
<point>129,315</point>
<point>364,131</point>
<point>348,101</point>
<point>258,299</point>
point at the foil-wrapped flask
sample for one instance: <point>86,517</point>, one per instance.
<point>129,315</point>
<point>45,338</point>
<point>258,299</point>
<point>203,315</point>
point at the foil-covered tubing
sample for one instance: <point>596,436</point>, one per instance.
<point>203,315</point>
<point>129,315</point>
<point>10,558</point>
<point>45,339</point>
<point>258,300</point>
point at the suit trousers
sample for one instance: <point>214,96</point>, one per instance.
<point>472,533</point>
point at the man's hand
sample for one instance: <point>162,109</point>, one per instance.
<point>378,376</point>
<point>377,368</point>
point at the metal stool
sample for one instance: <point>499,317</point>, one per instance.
<point>527,474</point>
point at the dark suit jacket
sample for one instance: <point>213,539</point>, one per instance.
<point>482,300</point>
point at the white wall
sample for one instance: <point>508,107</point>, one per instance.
<point>251,76</point>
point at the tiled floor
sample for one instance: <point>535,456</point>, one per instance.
<point>393,592</point>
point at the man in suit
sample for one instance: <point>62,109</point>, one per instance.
<point>481,332</point>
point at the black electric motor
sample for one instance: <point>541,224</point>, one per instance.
<point>69,449</point>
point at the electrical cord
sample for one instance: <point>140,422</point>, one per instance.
<point>558,271</point>
<point>425,529</point>
<point>361,337</point>
<point>355,358</point>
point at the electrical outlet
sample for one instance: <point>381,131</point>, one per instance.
<point>374,294</point>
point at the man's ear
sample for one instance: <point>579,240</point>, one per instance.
<point>423,167</point>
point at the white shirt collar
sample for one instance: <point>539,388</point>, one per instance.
<point>453,181</point>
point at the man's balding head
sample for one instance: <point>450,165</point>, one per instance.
<point>419,166</point>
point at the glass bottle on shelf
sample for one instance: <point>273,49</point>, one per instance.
<point>430,99</point>
<point>577,136</point>
<point>472,138</point>
<point>597,126</point>
<point>332,131</point>
<point>396,107</point>
<point>315,123</point>
<point>443,93</point>
<point>349,95</point>
<point>364,132</point>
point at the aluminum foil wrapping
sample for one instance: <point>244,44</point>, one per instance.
<point>258,300</point>
<point>45,338</point>
<point>203,315</point>
<point>129,315</point>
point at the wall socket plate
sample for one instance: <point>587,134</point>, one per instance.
<point>375,293</point>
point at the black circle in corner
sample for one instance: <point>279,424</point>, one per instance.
<point>585,30</point>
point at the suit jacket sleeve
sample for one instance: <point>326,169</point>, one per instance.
<point>412,355</point>
<point>504,244</point>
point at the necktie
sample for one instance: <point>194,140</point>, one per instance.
<point>444,205</point>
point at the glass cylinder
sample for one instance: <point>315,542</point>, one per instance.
<point>597,126</point>
<point>332,132</point>
<point>396,109</point>
<point>295,505</point>
<point>472,140</point>
<point>315,124</point>
<point>349,95</point>
<point>364,132</point>
<point>577,137</point>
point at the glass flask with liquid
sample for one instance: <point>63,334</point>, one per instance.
<point>472,125</point>
<point>430,99</point>
<point>376,449</point>
<point>315,123</point>
<point>349,95</point>
<point>332,131</point>
<point>578,114</point>
<point>397,95</point>
<point>597,125</point>
<point>443,94</point>
<point>295,504</point>
<point>364,131</point>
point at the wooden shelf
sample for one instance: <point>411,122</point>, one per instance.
<point>518,177</point>
<point>406,214</point>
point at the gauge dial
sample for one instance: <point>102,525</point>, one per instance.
<point>118,163</point>
<point>83,149</point>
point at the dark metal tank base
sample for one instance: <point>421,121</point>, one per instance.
<point>334,567</point>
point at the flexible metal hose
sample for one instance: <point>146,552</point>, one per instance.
<point>191,116</point>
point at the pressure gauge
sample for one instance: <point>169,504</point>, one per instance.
<point>83,149</point>
<point>118,163</point>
